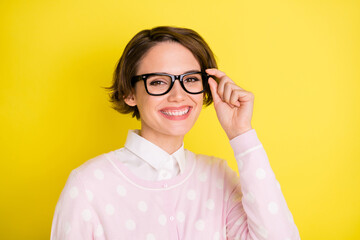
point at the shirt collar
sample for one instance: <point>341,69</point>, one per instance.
<point>151,153</point>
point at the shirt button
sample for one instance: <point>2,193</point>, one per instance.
<point>172,218</point>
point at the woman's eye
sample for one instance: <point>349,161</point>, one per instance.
<point>192,79</point>
<point>157,83</point>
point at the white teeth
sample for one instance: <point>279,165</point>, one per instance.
<point>176,113</point>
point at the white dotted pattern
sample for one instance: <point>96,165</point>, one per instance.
<point>210,204</point>
<point>121,190</point>
<point>273,207</point>
<point>202,177</point>
<point>162,220</point>
<point>191,194</point>
<point>216,236</point>
<point>99,231</point>
<point>260,173</point>
<point>180,216</point>
<point>200,225</point>
<point>110,210</point>
<point>67,228</point>
<point>86,215</point>
<point>150,236</point>
<point>130,225</point>
<point>220,183</point>
<point>73,192</point>
<point>99,174</point>
<point>89,195</point>
<point>142,206</point>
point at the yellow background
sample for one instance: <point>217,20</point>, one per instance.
<point>299,58</point>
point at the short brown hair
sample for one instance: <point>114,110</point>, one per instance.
<point>139,45</point>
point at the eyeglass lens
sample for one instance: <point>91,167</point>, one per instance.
<point>158,84</point>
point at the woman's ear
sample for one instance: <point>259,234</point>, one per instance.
<point>130,100</point>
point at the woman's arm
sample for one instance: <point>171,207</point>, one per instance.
<point>74,217</point>
<point>256,208</point>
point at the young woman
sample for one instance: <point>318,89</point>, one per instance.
<point>153,188</point>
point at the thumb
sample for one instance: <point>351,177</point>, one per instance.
<point>213,88</point>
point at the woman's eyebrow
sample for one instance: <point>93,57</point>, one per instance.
<point>195,70</point>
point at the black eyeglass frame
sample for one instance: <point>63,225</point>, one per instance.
<point>180,77</point>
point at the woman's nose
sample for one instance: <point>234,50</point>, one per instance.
<point>177,93</point>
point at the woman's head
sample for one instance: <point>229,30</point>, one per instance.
<point>139,46</point>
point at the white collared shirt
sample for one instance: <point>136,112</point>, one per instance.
<point>148,161</point>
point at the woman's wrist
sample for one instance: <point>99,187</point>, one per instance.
<point>231,135</point>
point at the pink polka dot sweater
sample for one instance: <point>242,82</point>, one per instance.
<point>103,199</point>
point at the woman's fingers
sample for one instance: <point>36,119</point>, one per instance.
<point>227,90</point>
<point>222,79</point>
<point>225,85</point>
<point>234,99</point>
<point>213,88</point>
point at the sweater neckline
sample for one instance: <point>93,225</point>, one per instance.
<point>164,185</point>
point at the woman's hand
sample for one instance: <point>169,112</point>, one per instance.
<point>233,105</point>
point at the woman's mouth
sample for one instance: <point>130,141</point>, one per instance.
<point>176,113</point>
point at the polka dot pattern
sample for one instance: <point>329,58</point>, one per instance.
<point>210,189</point>
<point>216,236</point>
<point>99,174</point>
<point>180,216</point>
<point>130,225</point>
<point>220,183</point>
<point>191,194</point>
<point>260,173</point>
<point>67,228</point>
<point>150,236</point>
<point>110,209</point>
<point>200,225</point>
<point>89,195</point>
<point>142,206</point>
<point>121,190</point>
<point>99,231</point>
<point>74,192</point>
<point>162,220</point>
<point>86,215</point>
<point>202,177</point>
<point>273,207</point>
<point>210,204</point>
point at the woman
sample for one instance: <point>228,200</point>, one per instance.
<point>153,188</point>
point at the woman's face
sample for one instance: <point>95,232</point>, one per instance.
<point>174,113</point>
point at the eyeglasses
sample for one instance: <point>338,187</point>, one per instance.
<point>157,84</point>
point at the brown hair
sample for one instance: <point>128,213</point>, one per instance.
<point>139,45</point>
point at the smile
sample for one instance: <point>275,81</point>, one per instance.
<point>176,113</point>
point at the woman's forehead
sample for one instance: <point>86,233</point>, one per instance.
<point>168,57</point>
